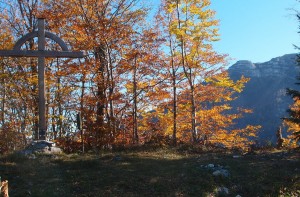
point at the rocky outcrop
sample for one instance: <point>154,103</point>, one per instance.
<point>276,67</point>
<point>265,93</point>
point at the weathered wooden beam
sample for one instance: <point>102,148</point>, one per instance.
<point>29,53</point>
<point>41,80</point>
<point>34,34</point>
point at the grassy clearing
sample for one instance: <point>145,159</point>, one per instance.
<point>151,173</point>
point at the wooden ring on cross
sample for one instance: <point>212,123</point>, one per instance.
<point>34,34</point>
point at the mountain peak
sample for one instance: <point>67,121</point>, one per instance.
<point>265,92</point>
<point>275,67</point>
<point>245,64</point>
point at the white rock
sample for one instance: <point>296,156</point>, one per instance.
<point>221,172</point>
<point>210,165</point>
<point>223,190</point>
<point>236,156</point>
<point>31,156</point>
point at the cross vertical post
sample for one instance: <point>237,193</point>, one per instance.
<point>41,54</point>
<point>41,80</point>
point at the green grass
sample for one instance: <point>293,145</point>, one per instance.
<point>151,173</point>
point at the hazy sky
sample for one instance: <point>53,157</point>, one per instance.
<point>257,30</point>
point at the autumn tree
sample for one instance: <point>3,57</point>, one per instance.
<point>293,121</point>
<point>20,98</point>
<point>110,32</point>
<point>137,82</point>
<point>201,89</point>
<point>192,29</point>
<point>171,67</point>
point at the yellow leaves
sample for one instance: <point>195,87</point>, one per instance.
<point>171,6</point>
<point>292,122</point>
<point>33,79</point>
<point>175,30</point>
<point>205,3</point>
<point>6,39</point>
<point>194,9</point>
<point>131,77</point>
<point>292,127</point>
<point>220,80</point>
<point>223,80</point>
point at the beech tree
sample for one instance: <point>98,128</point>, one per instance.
<point>201,88</point>
<point>20,96</point>
<point>106,30</point>
<point>138,82</point>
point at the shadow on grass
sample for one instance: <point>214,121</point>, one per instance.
<point>148,174</point>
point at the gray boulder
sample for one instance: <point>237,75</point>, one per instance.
<point>41,147</point>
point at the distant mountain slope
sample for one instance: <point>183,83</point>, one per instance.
<point>265,93</point>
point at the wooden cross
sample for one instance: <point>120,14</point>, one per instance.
<point>41,54</point>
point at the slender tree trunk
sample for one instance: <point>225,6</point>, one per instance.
<point>135,124</point>
<point>174,104</point>
<point>59,105</point>
<point>111,101</point>
<point>3,105</point>
<point>54,127</point>
<point>23,126</point>
<point>188,74</point>
<point>101,59</point>
<point>3,98</point>
<point>110,108</point>
<point>81,112</point>
<point>193,115</point>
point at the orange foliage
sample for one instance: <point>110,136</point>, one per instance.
<point>138,83</point>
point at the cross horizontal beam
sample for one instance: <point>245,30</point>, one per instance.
<point>31,53</point>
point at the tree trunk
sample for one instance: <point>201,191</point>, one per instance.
<point>3,97</point>
<point>193,115</point>
<point>60,110</point>
<point>134,111</point>
<point>111,101</point>
<point>174,106</point>
<point>81,111</point>
<point>101,59</point>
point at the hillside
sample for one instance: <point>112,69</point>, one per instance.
<point>265,93</point>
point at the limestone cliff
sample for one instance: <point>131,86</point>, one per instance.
<point>265,93</point>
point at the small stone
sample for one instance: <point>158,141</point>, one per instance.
<point>117,158</point>
<point>221,172</point>
<point>210,165</point>
<point>55,150</point>
<point>238,196</point>
<point>223,190</point>
<point>31,156</point>
<point>236,156</point>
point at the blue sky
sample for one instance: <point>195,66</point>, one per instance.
<point>257,30</point>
